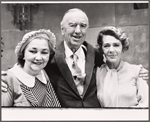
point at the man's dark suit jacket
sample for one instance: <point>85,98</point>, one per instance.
<point>62,81</point>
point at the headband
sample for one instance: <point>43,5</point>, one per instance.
<point>28,37</point>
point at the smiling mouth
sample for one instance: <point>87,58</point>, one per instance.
<point>111,56</point>
<point>77,37</point>
<point>37,63</point>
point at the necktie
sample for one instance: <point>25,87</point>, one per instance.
<point>77,75</point>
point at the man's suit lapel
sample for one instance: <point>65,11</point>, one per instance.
<point>63,67</point>
<point>90,56</point>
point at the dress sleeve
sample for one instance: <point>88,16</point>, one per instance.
<point>7,97</point>
<point>142,91</point>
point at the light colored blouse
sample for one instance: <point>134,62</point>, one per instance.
<point>121,87</point>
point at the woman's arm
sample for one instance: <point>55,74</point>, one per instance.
<point>7,97</point>
<point>142,93</point>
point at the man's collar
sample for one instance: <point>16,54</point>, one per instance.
<point>69,52</point>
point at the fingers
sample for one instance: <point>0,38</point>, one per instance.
<point>3,73</point>
<point>144,75</point>
<point>3,89</point>
<point>141,66</point>
<point>143,70</point>
<point>4,86</point>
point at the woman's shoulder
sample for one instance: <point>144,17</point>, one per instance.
<point>103,66</point>
<point>101,69</point>
<point>132,67</point>
<point>10,79</point>
<point>135,66</point>
<point>9,75</point>
<point>14,96</point>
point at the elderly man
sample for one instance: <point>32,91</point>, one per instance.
<point>72,70</point>
<point>74,81</point>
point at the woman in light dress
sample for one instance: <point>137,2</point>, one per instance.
<point>118,82</point>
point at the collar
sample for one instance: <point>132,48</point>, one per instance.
<point>79,52</point>
<point>25,78</point>
<point>119,67</point>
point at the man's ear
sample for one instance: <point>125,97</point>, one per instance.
<point>62,30</point>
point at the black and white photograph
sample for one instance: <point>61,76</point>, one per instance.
<point>74,60</point>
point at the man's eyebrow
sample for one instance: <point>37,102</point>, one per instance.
<point>72,22</point>
<point>84,23</point>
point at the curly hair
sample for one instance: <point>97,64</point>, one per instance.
<point>115,32</point>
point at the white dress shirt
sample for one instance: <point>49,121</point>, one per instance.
<point>80,61</point>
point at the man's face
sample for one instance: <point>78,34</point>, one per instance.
<point>74,29</point>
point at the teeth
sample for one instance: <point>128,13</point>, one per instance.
<point>76,36</point>
<point>38,63</point>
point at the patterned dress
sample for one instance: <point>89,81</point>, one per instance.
<point>22,93</point>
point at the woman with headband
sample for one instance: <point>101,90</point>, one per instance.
<point>28,83</point>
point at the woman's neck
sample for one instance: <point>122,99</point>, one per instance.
<point>113,65</point>
<point>32,73</point>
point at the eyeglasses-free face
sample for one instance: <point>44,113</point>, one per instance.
<point>75,28</point>
<point>36,56</point>
<point>112,49</point>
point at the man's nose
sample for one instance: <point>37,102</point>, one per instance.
<point>78,29</point>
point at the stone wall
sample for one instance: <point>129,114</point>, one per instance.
<point>134,22</point>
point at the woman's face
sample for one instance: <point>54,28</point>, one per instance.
<point>112,49</point>
<point>36,56</point>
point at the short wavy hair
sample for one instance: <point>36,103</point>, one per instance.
<point>71,11</point>
<point>115,32</point>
